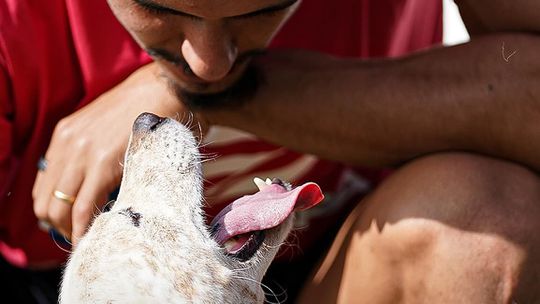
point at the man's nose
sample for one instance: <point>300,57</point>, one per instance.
<point>209,51</point>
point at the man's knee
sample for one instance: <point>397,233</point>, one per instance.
<point>462,190</point>
<point>455,218</point>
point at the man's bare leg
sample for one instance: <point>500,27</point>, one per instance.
<point>449,228</point>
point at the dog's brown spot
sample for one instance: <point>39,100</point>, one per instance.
<point>183,284</point>
<point>149,255</point>
<point>86,271</point>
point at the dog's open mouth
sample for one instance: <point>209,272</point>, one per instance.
<point>244,246</point>
<point>240,227</point>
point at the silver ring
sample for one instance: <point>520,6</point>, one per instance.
<point>42,164</point>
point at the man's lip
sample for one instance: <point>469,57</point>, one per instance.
<point>190,79</point>
<point>194,84</point>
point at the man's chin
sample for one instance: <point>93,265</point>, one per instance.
<point>202,96</point>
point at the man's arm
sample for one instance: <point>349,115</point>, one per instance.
<point>482,96</point>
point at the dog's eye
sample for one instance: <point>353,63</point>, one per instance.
<point>134,216</point>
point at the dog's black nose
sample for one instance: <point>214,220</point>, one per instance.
<point>147,122</point>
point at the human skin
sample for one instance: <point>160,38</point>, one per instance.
<point>446,228</point>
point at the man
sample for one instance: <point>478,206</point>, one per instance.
<point>474,215</point>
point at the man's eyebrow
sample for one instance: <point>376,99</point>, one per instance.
<point>148,4</point>
<point>269,9</point>
<point>152,6</point>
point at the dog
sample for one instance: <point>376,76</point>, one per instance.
<point>154,245</point>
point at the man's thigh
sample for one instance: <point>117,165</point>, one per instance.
<point>447,228</point>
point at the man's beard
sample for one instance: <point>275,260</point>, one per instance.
<point>234,96</point>
<point>240,91</point>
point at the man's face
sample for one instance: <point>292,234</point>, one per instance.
<point>203,45</point>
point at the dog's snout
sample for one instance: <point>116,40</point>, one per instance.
<point>147,122</point>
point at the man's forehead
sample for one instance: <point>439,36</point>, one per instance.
<point>215,9</point>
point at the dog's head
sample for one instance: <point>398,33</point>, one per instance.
<point>153,246</point>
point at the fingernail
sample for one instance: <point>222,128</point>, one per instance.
<point>44,225</point>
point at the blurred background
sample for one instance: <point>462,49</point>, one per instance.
<point>454,31</point>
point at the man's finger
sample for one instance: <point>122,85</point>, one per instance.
<point>64,196</point>
<point>43,188</point>
<point>92,196</point>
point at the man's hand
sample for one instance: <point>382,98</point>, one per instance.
<point>85,156</point>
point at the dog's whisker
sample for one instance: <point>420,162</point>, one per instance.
<point>200,134</point>
<point>206,154</point>
<point>176,116</point>
<point>264,286</point>
<point>205,144</point>
<point>191,119</point>
<point>205,203</point>
<point>208,157</point>
<point>183,119</point>
<point>187,120</point>
<point>283,293</point>
<point>202,161</point>
<point>269,247</point>
<point>293,247</point>
<point>60,247</point>
<point>243,269</point>
<point>111,202</point>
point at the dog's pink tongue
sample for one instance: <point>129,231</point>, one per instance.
<point>263,210</point>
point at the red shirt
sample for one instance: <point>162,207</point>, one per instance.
<point>57,55</point>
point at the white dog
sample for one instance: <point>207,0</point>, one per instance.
<point>153,246</point>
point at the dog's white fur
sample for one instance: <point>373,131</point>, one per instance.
<point>153,245</point>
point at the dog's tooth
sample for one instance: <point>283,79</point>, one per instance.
<point>268,181</point>
<point>229,245</point>
<point>260,183</point>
